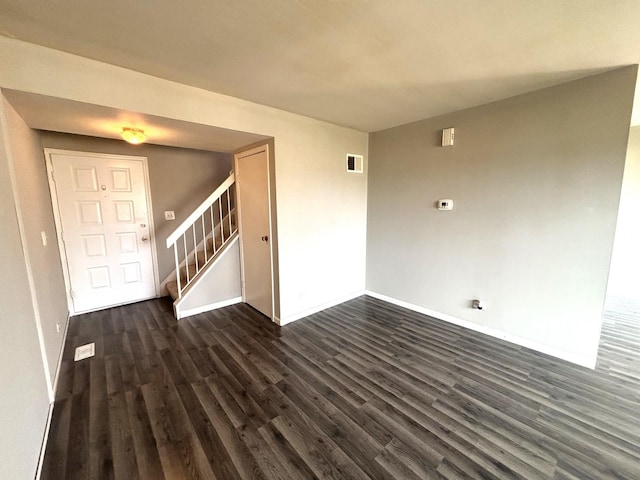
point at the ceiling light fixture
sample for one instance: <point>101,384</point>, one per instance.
<point>133,136</point>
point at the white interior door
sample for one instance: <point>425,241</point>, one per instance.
<point>104,216</point>
<point>252,175</point>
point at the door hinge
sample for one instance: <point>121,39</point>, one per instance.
<point>72,294</point>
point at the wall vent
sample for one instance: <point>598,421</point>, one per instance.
<point>354,163</point>
<point>85,351</point>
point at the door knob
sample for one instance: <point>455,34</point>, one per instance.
<point>144,239</point>
<point>265,239</point>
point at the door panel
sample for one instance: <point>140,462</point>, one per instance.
<point>103,211</point>
<point>253,197</point>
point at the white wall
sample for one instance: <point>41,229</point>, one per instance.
<point>321,209</point>
<point>535,181</point>
<point>24,400</point>
<point>624,279</point>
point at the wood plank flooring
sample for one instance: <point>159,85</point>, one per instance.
<point>361,390</point>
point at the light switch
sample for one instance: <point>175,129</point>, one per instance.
<point>445,204</point>
<point>169,215</point>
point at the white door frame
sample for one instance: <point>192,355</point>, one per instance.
<point>58,221</point>
<point>237,156</point>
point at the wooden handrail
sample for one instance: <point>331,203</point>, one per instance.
<point>198,212</point>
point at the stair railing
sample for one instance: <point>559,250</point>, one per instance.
<point>210,220</point>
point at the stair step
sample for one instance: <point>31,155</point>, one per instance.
<point>172,288</point>
<point>192,272</point>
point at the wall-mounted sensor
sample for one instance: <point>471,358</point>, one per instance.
<point>448,137</point>
<point>354,163</point>
<point>445,204</point>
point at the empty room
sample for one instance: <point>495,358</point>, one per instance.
<point>308,239</point>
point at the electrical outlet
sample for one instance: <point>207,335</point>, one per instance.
<point>169,215</point>
<point>478,304</point>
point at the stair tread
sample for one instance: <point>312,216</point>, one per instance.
<point>172,288</point>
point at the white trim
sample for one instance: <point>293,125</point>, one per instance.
<point>210,307</point>
<point>58,222</point>
<point>45,440</point>
<point>56,218</point>
<point>237,156</point>
<point>523,342</point>
<point>305,313</point>
<point>152,226</point>
<point>60,355</point>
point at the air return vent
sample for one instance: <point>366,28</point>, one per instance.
<point>354,163</point>
<point>85,351</point>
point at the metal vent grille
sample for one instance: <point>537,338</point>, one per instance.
<point>85,351</point>
<point>354,163</point>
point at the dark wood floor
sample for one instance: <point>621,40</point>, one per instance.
<point>362,390</point>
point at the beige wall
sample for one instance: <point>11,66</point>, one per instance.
<point>321,209</point>
<point>34,204</point>
<point>535,181</point>
<point>219,284</point>
<point>23,387</point>
<point>180,179</point>
<point>624,280</point>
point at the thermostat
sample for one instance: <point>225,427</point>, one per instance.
<point>445,204</point>
<point>448,135</point>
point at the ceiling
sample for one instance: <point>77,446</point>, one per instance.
<point>366,64</point>
<point>62,115</point>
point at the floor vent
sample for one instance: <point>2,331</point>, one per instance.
<point>354,163</point>
<point>85,351</point>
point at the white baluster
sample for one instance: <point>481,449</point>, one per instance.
<point>175,254</point>
<point>229,213</point>
<point>213,228</point>
<point>186,259</point>
<point>221,225</point>
<point>195,245</point>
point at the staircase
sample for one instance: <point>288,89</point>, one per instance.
<point>189,272</point>
<point>200,243</point>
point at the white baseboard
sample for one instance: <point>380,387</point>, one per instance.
<point>60,354</point>
<point>45,439</point>
<point>208,308</point>
<point>305,313</point>
<point>523,342</point>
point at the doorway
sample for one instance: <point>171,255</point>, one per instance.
<point>256,229</point>
<point>102,209</point>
